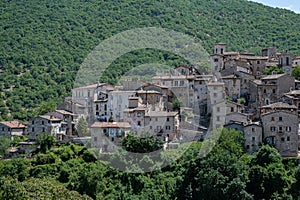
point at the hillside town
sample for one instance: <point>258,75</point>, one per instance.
<point>183,105</point>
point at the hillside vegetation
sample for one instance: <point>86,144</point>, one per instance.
<point>72,172</point>
<point>43,43</point>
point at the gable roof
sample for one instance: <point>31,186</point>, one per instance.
<point>111,125</point>
<point>13,124</point>
<point>280,105</point>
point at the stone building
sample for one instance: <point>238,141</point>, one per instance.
<point>46,124</point>
<point>296,61</point>
<point>292,98</point>
<point>12,128</point>
<point>252,133</point>
<point>67,120</point>
<point>162,123</point>
<point>280,127</point>
<point>270,89</point>
<point>107,136</point>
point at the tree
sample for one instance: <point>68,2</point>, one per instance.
<point>4,144</point>
<point>271,70</point>
<point>296,72</point>
<point>45,107</point>
<point>268,176</point>
<point>45,141</point>
<point>177,104</point>
<point>145,144</point>
<point>82,127</point>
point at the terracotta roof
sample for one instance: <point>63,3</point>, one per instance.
<point>90,86</point>
<point>274,76</point>
<point>296,58</point>
<point>111,125</point>
<point>293,92</point>
<point>148,92</point>
<point>64,112</point>
<point>231,53</point>
<point>51,118</point>
<point>161,114</point>
<point>13,124</point>
<point>280,105</point>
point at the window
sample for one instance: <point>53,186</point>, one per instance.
<point>151,127</point>
<point>218,118</point>
<point>265,91</point>
<point>216,60</point>
<point>97,107</point>
<point>248,147</point>
<point>168,127</point>
<point>282,139</point>
<point>32,129</point>
<point>253,129</point>
<point>288,138</point>
<point>138,114</point>
<point>280,119</point>
<point>32,122</point>
<point>258,62</point>
<point>272,119</point>
<point>42,122</point>
<point>139,123</point>
<point>288,129</point>
<point>95,139</point>
<point>43,130</point>
<point>215,95</point>
<point>181,83</point>
<point>2,128</point>
<point>280,129</point>
<point>274,91</point>
<point>168,119</point>
<point>218,109</point>
<point>156,119</point>
<point>273,128</point>
<point>253,138</point>
<point>232,109</point>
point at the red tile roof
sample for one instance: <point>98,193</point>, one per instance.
<point>13,124</point>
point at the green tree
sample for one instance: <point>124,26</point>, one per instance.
<point>45,107</point>
<point>82,127</point>
<point>296,72</point>
<point>45,141</point>
<point>144,144</point>
<point>268,177</point>
<point>4,144</point>
<point>271,70</point>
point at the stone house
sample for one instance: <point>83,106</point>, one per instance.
<point>46,124</point>
<point>107,136</point>
<point>117,103</point>
<point>252,133</point>
<point>67,122</point>
<point>280,127</point>
<point>296,61</point>
<point>292,98</point>
<point>270,89</point>
<point>162,123</point>
<point>12,128</point>
<point>232,86</point>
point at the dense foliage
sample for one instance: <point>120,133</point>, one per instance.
<point>42,44</point>
<point>72,172</point>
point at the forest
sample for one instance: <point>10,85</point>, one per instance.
<point>44,43</point>
<point>69,171</point>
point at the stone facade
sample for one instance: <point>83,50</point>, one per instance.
<point>107,136</point>
<point>12,128</point>
<point>281,131</point>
